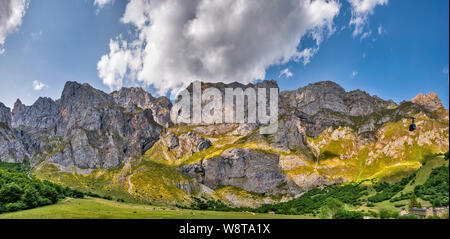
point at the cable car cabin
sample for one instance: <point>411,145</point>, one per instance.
<point>413,126</point>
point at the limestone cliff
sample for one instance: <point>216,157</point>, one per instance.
<point>123,143</point>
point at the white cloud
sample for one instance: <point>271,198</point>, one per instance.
<point>361,10</point>
<point>102,3</point>
<point>305,55</point>
<point>36,35</point>
<point>286,73</point>
<point>354,74</point>
<point>366,35</point>
<point>11,14</point>
<point>380,29</point>
<point>37,85</point>
<point>180,41</point>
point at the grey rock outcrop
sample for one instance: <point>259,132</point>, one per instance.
<point>42,115</point>
<point>135,99</point>
<point>429,101</point>
<point>360,103</point>
<point>185,145</point>
<point>85,128</point>
<point>329,95</point>
<point>243,168</point>
<point>5,115</point>
<point>266,84</point>
<point>324,104</point>
<point>11,148</point>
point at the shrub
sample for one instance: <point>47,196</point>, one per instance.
<point>15,206</point>
<point>389,214</point>
<point>344,214</point>
<point>19,191</point>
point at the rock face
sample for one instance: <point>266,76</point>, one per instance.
<point>331,96</point>
<point>359,103</point>
<point>243,168</point>
<point>135,99</point>
<point>267,84</point>
<point>430,101</point>
<point>325,136</point>
<point>185,145</point>
<point>324,104</point>
<point>5,115</point>
<point>86,128</point>
<point>11,148</point>
<point>42,115</point>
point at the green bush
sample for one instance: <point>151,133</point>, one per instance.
<point>20,191</point>
<point>389,214</point>
<point>312,201</point>
<point>344,214</point>
<point>435,189</point>
<point>386,191</point>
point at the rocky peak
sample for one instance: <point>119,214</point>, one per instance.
<point>18,107</point>
<point>314,97</point>
<point>221,86</point>
<point>5,115</point>
<point>41,115</point>
<point>324,104</point>
<point>360,103</point>
<point>429,101</point>
<point>267,84</point>
<point>11,149</point>
<point>75,93</point>
<point>135,99</point>
<point>327,95</point>
<point>85,128</point>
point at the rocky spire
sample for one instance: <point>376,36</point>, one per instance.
<point>5,115</point>
<point>429,101</point>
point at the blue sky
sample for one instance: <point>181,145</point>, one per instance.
<point>61,41</point>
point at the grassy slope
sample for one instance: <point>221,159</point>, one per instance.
<point>422,175</point>
<point>94,208</point>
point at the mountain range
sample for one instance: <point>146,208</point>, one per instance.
<point>123,144</point>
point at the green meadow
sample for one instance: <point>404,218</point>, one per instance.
<point>95,208</point>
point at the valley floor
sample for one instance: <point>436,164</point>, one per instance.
<point>94,208</point>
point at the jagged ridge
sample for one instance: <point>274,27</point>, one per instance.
<point>326,136</point>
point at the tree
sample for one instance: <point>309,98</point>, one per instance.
<point>325,213</point>
<point>344,214</point>
<point>413,201</point>
<point>436,203</point>
<point>333,205</point>
<point>30,196</point>
<point>49,192</point>
<point>385,213</point>
<point>10,193</point>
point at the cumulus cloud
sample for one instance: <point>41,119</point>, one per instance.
<point>361,10</point>
<point>286,73</point>
<point>101,3</point>
<point>180,41</point>
<point>11,14</point>
<point>37,85</point>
